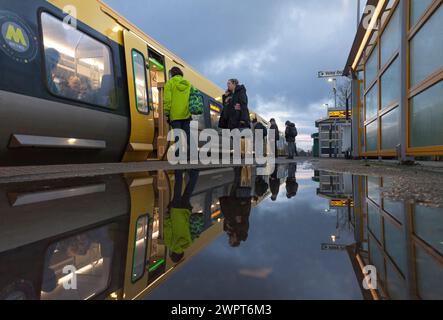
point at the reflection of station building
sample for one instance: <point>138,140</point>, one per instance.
<point>403,240</point>
<point>334,185</point>
<point>337,189</point>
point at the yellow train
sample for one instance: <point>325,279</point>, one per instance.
<point>111,229</point>
<point>87,89</point>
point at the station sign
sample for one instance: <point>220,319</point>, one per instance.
<point>333,247</point>
<point>339,114</point>
<point>330,74</point>
<point>341,203</point>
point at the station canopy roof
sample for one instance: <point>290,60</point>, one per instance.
<point>362,37</point>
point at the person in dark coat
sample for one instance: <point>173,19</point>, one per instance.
<point>235,113</point>
<point>261,187</point>
<point>236,209</point>
<point>224,117</point>
<point>290,135</point>
<point>274,183</point>
<point>291,181</point>
<point>256,127</point>
<point>277,135</point>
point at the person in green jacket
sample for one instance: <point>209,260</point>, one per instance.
<point>176,102</point>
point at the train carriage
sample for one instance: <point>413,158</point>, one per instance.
<point>111,229</point>
<point>84,90</point>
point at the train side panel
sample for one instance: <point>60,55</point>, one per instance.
<point>73,112</point>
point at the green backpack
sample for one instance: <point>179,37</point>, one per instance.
<point>195,102</point>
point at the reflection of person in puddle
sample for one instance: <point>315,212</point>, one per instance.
<point>177,225</point>
<point>261,187</point>
<point>236,208</point>
<point>291,181</point>
<point>274,183</point>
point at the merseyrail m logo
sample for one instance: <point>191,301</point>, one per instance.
<point>17,39</point>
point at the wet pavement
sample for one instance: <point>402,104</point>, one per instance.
<point>220,233</point>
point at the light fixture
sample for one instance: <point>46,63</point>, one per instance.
<point>372,25</point>
<point>116,29</point>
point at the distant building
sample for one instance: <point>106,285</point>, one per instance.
<point>334,140</point>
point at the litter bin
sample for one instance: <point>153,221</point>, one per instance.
<point>316,147</point>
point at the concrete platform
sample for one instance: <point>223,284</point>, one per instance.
<point>38,173</point>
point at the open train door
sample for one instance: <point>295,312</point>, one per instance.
<point>141,141</point>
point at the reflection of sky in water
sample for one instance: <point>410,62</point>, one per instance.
<point>282,258</point>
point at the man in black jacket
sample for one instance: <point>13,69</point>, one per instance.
<point>291,181</point>
<point>290,134</point>
<point>274,183</point>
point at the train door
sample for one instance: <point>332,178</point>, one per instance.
<point>157,260</point>
<point>142,193</point>
<point>157,80</point>
<point>141,141</point>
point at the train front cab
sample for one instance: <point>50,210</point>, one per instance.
<point>49,225</point>
<point>82,94</point>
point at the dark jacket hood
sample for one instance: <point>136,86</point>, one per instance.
<point>240,88</point>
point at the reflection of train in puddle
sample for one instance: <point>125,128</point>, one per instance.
<point>102,237</point>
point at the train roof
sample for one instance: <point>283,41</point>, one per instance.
<point>112,24</point>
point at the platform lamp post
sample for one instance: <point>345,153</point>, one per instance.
<point>334,82</point>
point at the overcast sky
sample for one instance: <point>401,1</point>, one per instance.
<point>275,48</point>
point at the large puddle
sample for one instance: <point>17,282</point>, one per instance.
<point>218,234</point>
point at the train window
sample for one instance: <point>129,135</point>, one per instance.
<point>78,67</point>
<point>139,262</point>
<point>79,267</point>
<point>156,78</point>
<point>140,80</point>
<point>216,110</point>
